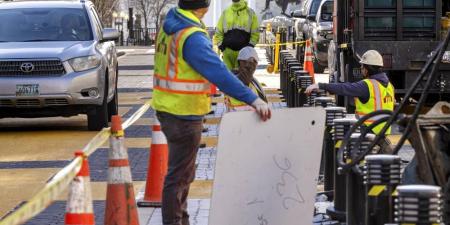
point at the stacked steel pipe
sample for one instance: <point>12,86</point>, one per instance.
<point>332,113</point>
<point>340,127</point>
<point>418,204</point>
<point>382,175</point>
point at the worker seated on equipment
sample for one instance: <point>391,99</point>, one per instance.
<point>247,62</point>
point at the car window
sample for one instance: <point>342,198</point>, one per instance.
<point>305,8</point>
<point>314,7</point>
<point>44,24</point>
<point>98,24</point>
<point>326,13</point>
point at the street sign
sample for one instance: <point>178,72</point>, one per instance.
<point>266,172</point>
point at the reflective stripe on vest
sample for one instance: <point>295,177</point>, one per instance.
<point>381,98</point>
<point>172,83</point>
<point>178,86</point>
<point>247,27</point>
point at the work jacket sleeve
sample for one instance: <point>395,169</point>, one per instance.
<point>218,36</point>
<point>198,53</point>
<point>357,89</point>
<point>254,38</point>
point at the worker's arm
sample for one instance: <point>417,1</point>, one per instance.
<point>357,89</point>
<point>218,36</point>
<point>254,35</point>
<point>198,53</point>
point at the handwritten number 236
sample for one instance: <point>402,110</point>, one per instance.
<point>287,178</point>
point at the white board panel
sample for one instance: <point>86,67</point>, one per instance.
<point>266,172</point>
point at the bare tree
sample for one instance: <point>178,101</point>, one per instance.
<point>105,9</point>
<point>152,11</point>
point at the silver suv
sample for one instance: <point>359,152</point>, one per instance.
<point>56,59</point>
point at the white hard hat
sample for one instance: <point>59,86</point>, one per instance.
<point>372,58</point>
<point>247,53</point>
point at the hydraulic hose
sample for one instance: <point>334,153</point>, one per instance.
<point>345,141</point>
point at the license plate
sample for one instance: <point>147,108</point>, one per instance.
<point>27,90</point>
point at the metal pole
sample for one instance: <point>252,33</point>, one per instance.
<point>381,177</point>
<point>337,212</point>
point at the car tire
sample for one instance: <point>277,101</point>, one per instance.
<point>317,67</point>
<point>113,105</point>
<point>98,118</point>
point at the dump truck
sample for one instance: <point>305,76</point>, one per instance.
<point>405,32</point>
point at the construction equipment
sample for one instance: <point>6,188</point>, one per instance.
<point>406,33</point>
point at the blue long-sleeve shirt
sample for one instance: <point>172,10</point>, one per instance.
<point>356,89</point>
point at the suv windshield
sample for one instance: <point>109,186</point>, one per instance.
<point>41,24</point>
<point>326,14</point>
<point>314,7</point>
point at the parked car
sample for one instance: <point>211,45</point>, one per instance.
<point>56,59</point>
<point>314,21</point>
<point>320,31</point>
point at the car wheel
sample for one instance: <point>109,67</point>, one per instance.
<point>98,118</point>
<point>317,67</point>
<point>113,105</point>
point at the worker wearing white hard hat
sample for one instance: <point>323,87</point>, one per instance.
<point>373,93</point>
<point>247,63</point>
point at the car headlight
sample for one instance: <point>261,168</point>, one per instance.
<point>446,57</point>
<point>84,63</point>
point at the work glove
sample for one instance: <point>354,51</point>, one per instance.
<point>262,108</point>
<point>311,88</point>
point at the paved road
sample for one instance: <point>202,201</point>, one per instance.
<point>34,149</point>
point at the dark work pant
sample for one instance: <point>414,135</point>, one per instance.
<point>183,138</point>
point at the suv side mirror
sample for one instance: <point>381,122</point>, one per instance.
<point>311,17</point>
<point>110,34</point>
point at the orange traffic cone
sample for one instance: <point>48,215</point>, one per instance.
<point>79,209</point>
<point>308,63</point>
<point>157,168</point>
<point>120,203</point>
<point>214,91</point>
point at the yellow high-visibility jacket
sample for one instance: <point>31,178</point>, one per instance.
<point>237,27</point>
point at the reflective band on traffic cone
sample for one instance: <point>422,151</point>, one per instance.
<point>308,63</point>
<point>120,202</point>
<point>157,168</point>
<point>79,209</point>
<point>213,89</point>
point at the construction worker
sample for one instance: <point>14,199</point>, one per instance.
<point>185,64</point>
<point>247,61</point>
<point>237,28</point>
<point>374,92</point>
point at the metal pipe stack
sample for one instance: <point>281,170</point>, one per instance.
<point>382,175</point>
<point>340,127</point>
<point>418,205</point>
<point>355,194</point>
<point>332,113</point>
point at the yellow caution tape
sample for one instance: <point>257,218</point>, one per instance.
<point>103,135</point>
<point>395,193</point>
<point>138,114</point>
<point>47,195</point>
<point>376,190</point>
<point>281,44</point>
<point>62,179</point>
<point>338,144</point>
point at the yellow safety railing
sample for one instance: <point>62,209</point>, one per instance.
<point>61,180</point>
